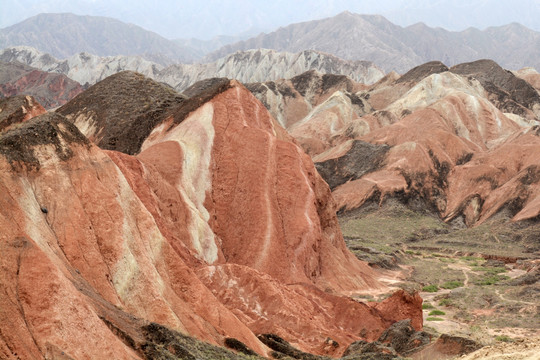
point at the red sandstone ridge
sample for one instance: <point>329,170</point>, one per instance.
<point>219,227</point>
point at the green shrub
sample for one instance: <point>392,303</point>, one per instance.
<point>430,288</point>
<point>452,284</point>
<point>436,312</point>
<point>427,306</point>
<point>434,319</point>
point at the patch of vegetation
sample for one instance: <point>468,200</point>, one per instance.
<point>504,338</point>
<point>490,270</point>
<point>491,280</point>
<point>115,107</point>
<point>429,247</point>
<point>431,271</point>
<point>436,312</point>
<point>430,288</point>
<point>452,284</point>
<point>445,302</point>
<point>362,158</point>
<point>239,346</point>
<point>364,297</point>
<point>471,258</point>
<point>394,224</point>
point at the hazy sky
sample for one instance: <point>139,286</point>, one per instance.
<point>207,18</point>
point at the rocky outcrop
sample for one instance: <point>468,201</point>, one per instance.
<point>400,339</point>
<point>18,109</point>
<point>49,89</point>
<point>218,226</point>
<point>246,66</point>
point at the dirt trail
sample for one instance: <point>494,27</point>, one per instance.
<point>465,269</point>
<point>498,292</point>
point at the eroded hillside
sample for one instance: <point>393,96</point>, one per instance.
<point>203,217</point>
<point>461,140</point>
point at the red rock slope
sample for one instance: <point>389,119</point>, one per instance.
<point>460,141</point>
<point>219,227</point>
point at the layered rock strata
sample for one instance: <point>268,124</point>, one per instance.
<point>217,226</point>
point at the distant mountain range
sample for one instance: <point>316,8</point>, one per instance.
<point>247,66</point>
<point>392,47</point>
<point>63,35</point>
<point>348,36</point>
<point>211,18</point>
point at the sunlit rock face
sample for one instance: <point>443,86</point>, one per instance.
<point>211,221</point>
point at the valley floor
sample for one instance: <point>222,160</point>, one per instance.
<point>481,282</point>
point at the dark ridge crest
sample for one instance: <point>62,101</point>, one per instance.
<point>200,93</point>
<point>422,71</point>
<point>18,145</point>
<point>304,81</point>
<point>125,107</point>
<point>331,80</point>
<point>508,92</point>
<point>361,159</point>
